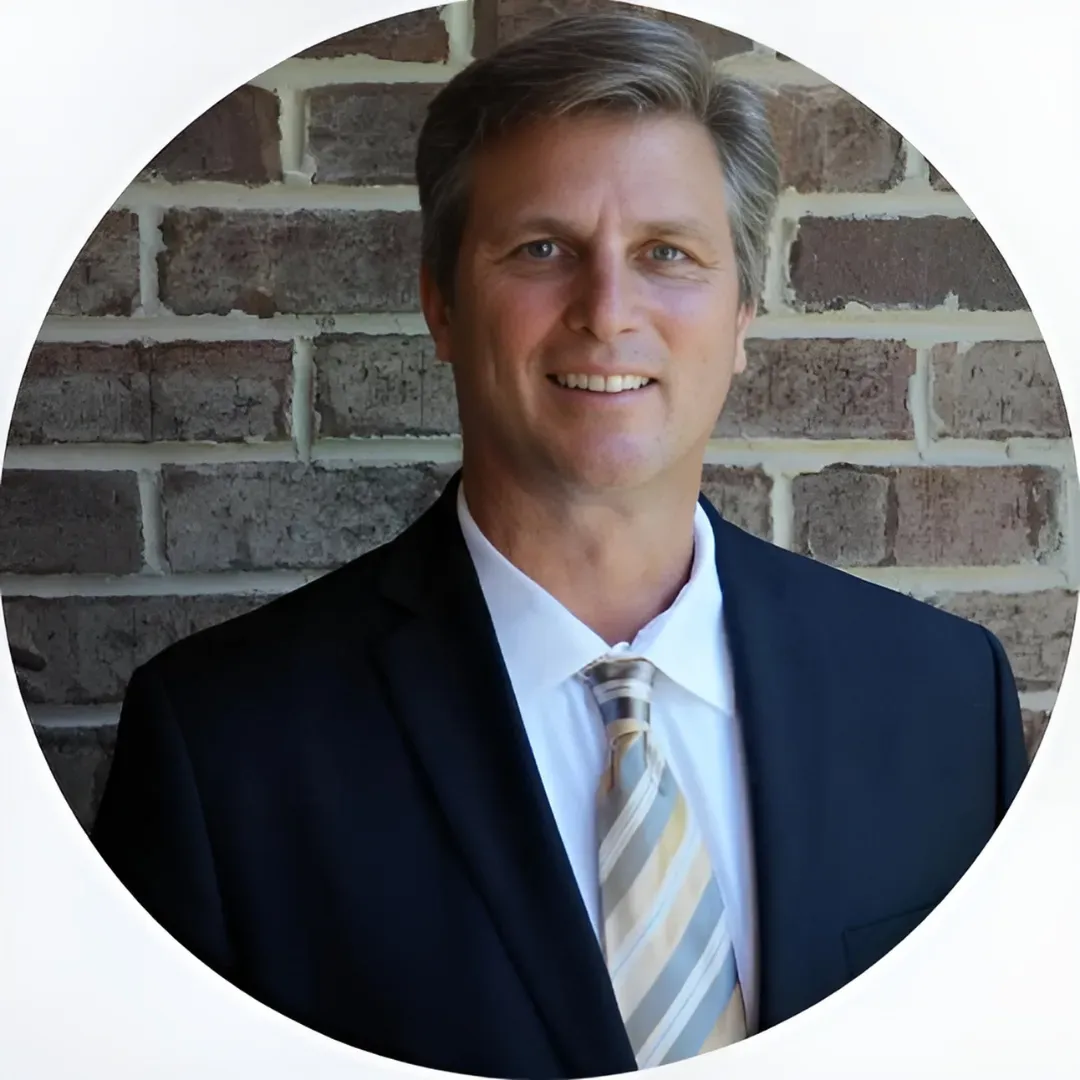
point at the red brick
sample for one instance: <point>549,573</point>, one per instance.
<point>416,37</point>
<point>853,516</point>
<point>1034,628</point>
<point>83,393</point>
<point>821,389</point>
<point>90,645</point>
<point>742,496</point>
<point>366,134</point>
<point>305,261</point>
<point>913,262</point>
<point>500,21</point>
<point>104,279</point>
<point>829,141</point>
<point>382,385</point>
<point>70,523</point>
<point>996,390</point>
<point>221,391</point>
<point>235,140</point>
<point>79,760</point>
<point>265,516</point>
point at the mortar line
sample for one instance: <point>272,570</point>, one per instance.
<point>60,718</point>
<point>781,508</point>
<point>150,244</point>
<point>459,20</point>
<point>929,327</point>
<point>400,198</point>
<point>303,405</point>
<point>921,582</point>
<point>153,524</point>
<point>311,73</point>
<point>1038,700</point>
<point>292,128</point>
<point>918,403</point>
<point>795,456</point>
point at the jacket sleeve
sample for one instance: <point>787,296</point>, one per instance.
<point>150,828</point>
<point>1012,753</point>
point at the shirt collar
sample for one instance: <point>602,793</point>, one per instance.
<point>543,644</point>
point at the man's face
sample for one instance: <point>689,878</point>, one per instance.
<point>594,248</point>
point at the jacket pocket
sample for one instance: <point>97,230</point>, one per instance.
<point>865,945</point>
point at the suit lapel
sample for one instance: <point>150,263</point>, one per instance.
<point>451,692</point>
<point>782,718</point>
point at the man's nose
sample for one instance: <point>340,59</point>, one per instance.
<point>605,302</point>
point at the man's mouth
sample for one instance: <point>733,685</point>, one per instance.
<point>602,384</point>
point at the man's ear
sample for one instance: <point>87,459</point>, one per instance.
<point>436,311</point>
<point>742,326</point>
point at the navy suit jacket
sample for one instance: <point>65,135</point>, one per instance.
<point>332,801</point>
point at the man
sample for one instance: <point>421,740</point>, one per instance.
<point>572,777</point>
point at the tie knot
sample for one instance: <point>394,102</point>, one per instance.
<point>622,688</point>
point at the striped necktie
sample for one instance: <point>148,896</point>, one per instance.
<point>665,932</point>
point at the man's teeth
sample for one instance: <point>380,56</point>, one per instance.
<point>608,384</point>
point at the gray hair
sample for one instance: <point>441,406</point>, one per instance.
<point>618,63</point>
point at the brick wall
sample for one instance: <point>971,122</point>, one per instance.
<point>233,391</point>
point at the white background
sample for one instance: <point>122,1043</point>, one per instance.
<point>89,986</point>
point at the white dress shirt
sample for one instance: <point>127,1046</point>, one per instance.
<point>693,718</point>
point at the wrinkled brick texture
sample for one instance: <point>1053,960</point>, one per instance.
<point>104,279</point>
<point>939,516</point>
<point>917,262</point>
<point>237,140</point>
<point>225,258</point>
<point>996,390</point>
<point>366,134</point>
<point>385,385</point>
<point>79,759</point>
<point>291,516</point>
<point>300,262</point>
<point>176,391</point>
<point>821,389</point>
<point>70,523</point>
<point>88,646</point>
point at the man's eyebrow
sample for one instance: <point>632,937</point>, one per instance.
<point>548,225</point>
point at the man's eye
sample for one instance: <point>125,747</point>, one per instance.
<point>540,249</point>
<point>666,253</point>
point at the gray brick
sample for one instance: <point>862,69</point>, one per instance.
<point>742,496</point>
<point>256,516</point>
<point>382,385</point>
<point>366,134</point>
<point>304,261</point>
<point>1034,722</point>
<point>89,646</point>
<point>821,389</point>
<point>1034,628</point>
<point>841,515</point>
<point>908,262</point>
<point>79,759</point>
<point>222,391</point>
<point>104,279</point>
<point>996,390</point>
<point>83,393</point>
<point>70,523</point>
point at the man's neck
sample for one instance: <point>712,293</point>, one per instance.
<point>615,563</point>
